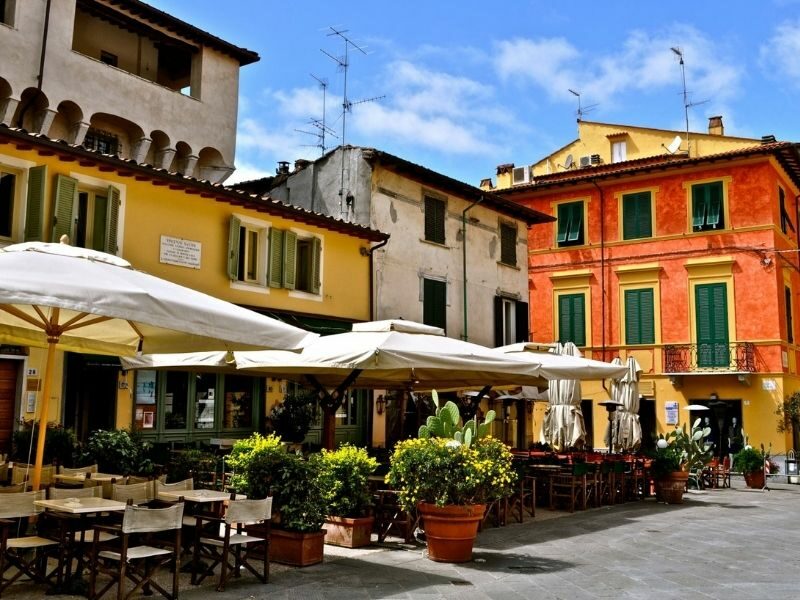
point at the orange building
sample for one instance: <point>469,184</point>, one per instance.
<point>688,264</point>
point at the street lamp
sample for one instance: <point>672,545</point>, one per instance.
<point>610,406</point>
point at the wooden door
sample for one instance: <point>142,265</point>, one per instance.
<point>8,397</point>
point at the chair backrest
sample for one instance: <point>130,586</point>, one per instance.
<point>13,489</point>
<point>726,463</point>
<point>248,511</point>
<point>77,470</point>
<point>47,476</point>
<point>4,472</point>
<point>131,479</point>
<point>22,472</point>
<point>178,486</point>
<point>85,492</point>
<point>139,493</point>
<point>19,505</point>
<point>148,520</point>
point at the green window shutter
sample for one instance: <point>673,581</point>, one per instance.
<point>787,293</point>
<point>316,265</point>
<point>234,232</point>
<point>434,220</point>
<point>65,194</point>
<point>275,257</point>
<point>572,319</point>
<point>699,205</point>
<point>434,303</point>
<point>289,278</point>
<point>564,319</point>
<point>564,214</point>
<point>578,320</point>
<point>714,218</point>
<point>112,220</point>
<point>508,244</point>
<point>34,211</point>
<point>711,313</point>
<point>576,222</point>
<point>639,317</point>
<point>636,216</point>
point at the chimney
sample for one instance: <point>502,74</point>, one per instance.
<point>283,167</point>
<point>715,126</point>
<point>300,164</point>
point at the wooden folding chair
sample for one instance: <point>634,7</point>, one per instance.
<point>233,542</point>
<point>137,493</point>
<point>25,553</point>
<point>139,552</point>
<point>390,517</point>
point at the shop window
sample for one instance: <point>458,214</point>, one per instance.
<point>205,398</point>
<point>176,400</point>
<point>145,399</point>
<point>238,405</point>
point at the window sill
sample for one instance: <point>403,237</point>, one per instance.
<point>244,286</point>
<point>432,243</point>
<point>508,266</point>
<point>305,295</point>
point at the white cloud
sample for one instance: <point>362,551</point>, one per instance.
<point>247,172</point>
<point>644,62</point>
<point>780,56</point>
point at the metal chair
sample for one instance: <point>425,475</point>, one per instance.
<point>232,541</point>
<point>138,553</point>
<point>25,553</point>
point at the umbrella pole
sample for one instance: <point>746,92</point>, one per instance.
<point>45,400</point>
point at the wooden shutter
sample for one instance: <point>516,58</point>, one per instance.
<point>711,310</point>
<point>289,277</point>
<point>714,195</point>
<point>508,244</point>
<point>699,205</point>
<point>636,216</point>
<point>434,303</point>
<point>499,338</point>
<point>275,257</point>
<point>572,319</point>
<point>639,317</point>
<point>521,314</point>
<point>34,210</point>
<point>65,194</point>
<point>576,223</point>
<point>234,233</point>
<point>434,220</point>
<point>787,294</point>
<point>564,214</point>
<point>316,265</point>
<point>112,220</point>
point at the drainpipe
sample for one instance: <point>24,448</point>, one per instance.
<point>369,252</point>
<point>40,77</point>
<point>465,335</point>
<point>602,273</point>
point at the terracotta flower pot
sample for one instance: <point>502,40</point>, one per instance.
<point>670,489</point>
<point>349,533</point>
<point>451,530</point>
<point>755,479</point>
<point>296,549</point>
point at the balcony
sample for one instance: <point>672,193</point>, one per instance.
<point>695,359</point>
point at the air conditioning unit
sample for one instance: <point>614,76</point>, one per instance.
<point>595,159</point>
<point>520,175</point>
<point>585,161</point>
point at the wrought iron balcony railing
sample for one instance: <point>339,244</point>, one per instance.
<point>736,357</point>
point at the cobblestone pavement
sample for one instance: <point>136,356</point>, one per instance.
<point>729,544</point>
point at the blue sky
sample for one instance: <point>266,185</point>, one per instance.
<point>471,85</point>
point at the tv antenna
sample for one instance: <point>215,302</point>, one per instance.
<point>581,110</point>
<point>319,124</point>
<point>343,62</point>
<point>686,104</point>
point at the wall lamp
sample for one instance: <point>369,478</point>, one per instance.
<point>380,404</point>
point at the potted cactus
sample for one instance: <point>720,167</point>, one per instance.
<point>679,455</point>
<point>449,474</point>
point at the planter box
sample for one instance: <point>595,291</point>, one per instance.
<point>296,549</point>
<point>349,533</point>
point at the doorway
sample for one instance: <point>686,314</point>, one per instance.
<point>9,373</point>
<point>90,393</point>
<point>587,408</point>
<point>724,418</point>
<point>647,420</point>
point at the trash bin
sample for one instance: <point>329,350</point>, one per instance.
<point>792,474</point>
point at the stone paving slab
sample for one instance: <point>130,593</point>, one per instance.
<point>724,544</point>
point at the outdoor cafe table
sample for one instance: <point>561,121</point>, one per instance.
<point>199,496</point>
<point>100,478</point>
<point>82,507</point>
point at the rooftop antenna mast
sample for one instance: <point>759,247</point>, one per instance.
<point>581,110</point>
<point>344,63</point>
<point>679,53</point>
<point>319,124</point>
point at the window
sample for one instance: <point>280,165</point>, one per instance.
<point>434,219</point>
<point>7,12</point>
<point>711,310</point>
<point>145,399</point>
<point>572,319</point>
<point>639,317</point>
<point>176,399</point>
<point>238,406</point>
<point>295,263</point>
<point>707,206</point>
<point>637,216</point>
<point>787,294</point>
<point>619,151</point>
<point>15,205</point>
<point>88,217</point>
<point>508,244</point>
<point>434,303</point>
<point>786,220</point>
<point>510,321</point>
<point>8,184</point>
<point>101,141</point>
<point>108,58</point>
<point>205,396</point>
<point>570,224</point>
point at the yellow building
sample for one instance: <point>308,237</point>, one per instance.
<point>306,268</point>
<point>607,143</point>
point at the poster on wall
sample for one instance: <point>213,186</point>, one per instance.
<point>146,387</point>
<point>672,412</point>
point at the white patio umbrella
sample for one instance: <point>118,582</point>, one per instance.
<point>64,298</point>
<point>391,354</point>
<point>563,420</point>
<point>625,391</point>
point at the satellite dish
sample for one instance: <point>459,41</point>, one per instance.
<point>674,145</point>
<point>569,162</point>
